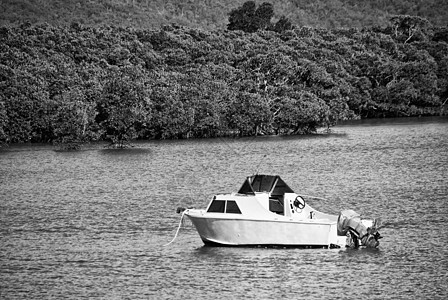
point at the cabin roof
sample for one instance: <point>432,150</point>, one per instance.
<point>272,184</point>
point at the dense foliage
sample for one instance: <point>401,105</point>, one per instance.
<point>251,18</point>
<point>72,84</point>
<point>212,15</point>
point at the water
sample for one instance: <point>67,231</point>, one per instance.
<point>91,224</point>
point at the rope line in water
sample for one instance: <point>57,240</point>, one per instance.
<point>178,228</point>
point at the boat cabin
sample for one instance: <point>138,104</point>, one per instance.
<point>259,193</point>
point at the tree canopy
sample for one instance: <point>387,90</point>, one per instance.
<point>251,18</point>
<point>213,15</point>
<point>73,84</point>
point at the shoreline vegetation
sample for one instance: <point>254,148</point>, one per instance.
<point>70,84</point>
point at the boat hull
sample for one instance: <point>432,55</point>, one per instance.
<point>252,232</point>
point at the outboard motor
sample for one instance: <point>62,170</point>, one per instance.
<point>349,221</point>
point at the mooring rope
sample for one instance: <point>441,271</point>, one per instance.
<point>178,228</point>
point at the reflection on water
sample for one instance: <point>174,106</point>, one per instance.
<point>91,223</point>
<point>126,151</point>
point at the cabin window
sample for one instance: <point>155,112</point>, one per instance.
<point>217,206</point>
<point>232,207</point>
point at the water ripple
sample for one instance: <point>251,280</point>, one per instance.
<point>91,224</point>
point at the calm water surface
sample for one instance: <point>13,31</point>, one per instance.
<point>92,224</point>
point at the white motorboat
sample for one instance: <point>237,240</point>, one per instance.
<point>267,212</point>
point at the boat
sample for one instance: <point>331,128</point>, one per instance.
<point>266,212</point>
